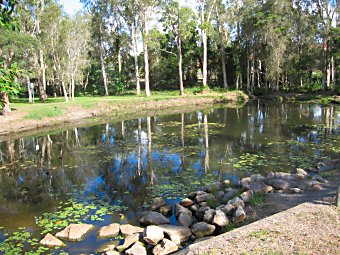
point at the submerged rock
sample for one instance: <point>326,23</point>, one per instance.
<point>157,203</point>
<point>220,219</point>
<point>129,241</point>
<point>128,229</point>
<point>203,229</point>
<point>153,234</point>
<point>51,241</point>
<point>137,249</point>
<point>153,218</point>
<point>165,247</point>
<point>177,234</point>
<point>109,246</point>
<point>75,232</point>
<point>111,230</point>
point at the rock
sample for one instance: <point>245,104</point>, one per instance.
<point>204,197</point>
<point>226,183</point>
<point>157,203</point>
<point>319,179</point>
<point>201,211</point>
<point>177,234</point>
<point>109,246</point>
<point>75,232</point>
<point>209,216</point>
<point>203,204</point>
<point>239,215</point>
<point>236,202</point>
<point>245,182</point>
<point>194,208</point>
<point>230,193</point>
<point>112,253</point>
<point>270,175</point>
<point>111,230</point>
<point>220,219</point>
<point>51,241</point>
<point>316,186</point>
<point>247,196</point>
<point>298,176</point>
<point>165,247</point>
<point>153,234</point>
<point>278,184</point>
<point>128,229</point>
<point>184,219</point>
<point>137,249</point>
<point>213,187</point>
<point>256,177</point>
<point>129,241</point>
<point>301,171</point>
<point>295,190</point>
<point>187,202</point>
<point>201,239</point>
<point>166,210</point>
<point>219,196</point>
<point>260,187</point>
<point>202,229</point>
<point>181,209</point>
<point>192,195</point>
<point>200,192</point>
<point>228,209</point>
<point>153,218</point>
<point>281,175</point>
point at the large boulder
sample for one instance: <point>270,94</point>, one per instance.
<point>220,219</point>
<point>165,247</point>
<point>51,241</point>
<point>137,248</point>
<point>75,232</point>
<point>128,242</point>
<point>260,187</point>
<point>209,216</point>
<point>202,229</point>
<point>128,229</point>
<point>301,172</point>
<point>239,215</point>
<point>247,196</point>
<point>181,209</point>
<point>153,234</point>
<point>157,203</point>
<point>153,218</point>
<point>184,219</point>
<point>228,209</point>
<point>201,211</point>
<point>204,197</point>
<point>278,184</point>
<point>177,234</point>
<point>106,247</point>
<point>230,193</point>
<point>111,230</point>
<point>236,202</point>
<point>166,209</point>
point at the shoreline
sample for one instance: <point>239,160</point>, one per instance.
<point>16,125</point>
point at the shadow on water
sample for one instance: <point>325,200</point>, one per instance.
<point>123,165</point>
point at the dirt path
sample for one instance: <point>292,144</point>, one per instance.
<point>15,123</point>
<point>312,227</point>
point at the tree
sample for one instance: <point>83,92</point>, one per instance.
<point>206,8</point>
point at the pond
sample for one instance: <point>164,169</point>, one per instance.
<point>108,173</point>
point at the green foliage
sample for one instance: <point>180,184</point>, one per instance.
<point>258,199</point>
<point>6,17</point>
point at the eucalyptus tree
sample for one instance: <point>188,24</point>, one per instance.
<point>178,21</point>
<point>206,7</point>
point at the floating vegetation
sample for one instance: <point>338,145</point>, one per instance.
<point>21,242</point>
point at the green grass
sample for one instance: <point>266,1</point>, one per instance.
<point>44,113</point>
<point>258,199</point>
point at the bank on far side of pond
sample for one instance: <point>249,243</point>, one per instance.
<point>27,117</point>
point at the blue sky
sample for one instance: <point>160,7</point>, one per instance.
<point>71,6</point>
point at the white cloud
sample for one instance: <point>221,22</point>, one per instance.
<point>71,6</point>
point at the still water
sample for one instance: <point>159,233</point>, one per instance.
<point>122,165</point>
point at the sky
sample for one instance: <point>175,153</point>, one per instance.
<point>71,6</point>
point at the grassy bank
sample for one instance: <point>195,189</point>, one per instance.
<point>54,111</point>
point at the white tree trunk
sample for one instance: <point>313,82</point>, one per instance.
<point>72,88</point>
<point>135,52</point>
<point>180,68</point>
<point>29,90</point>
<point>224,69</point>
<point>205,57</point>
<point>146,55</point>
<point>64,91</point>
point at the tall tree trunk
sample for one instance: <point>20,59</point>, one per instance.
<point>64,91</point>
<point>135,52</point>
<point>42,83</point>
<point>205,57</point>
<point>6,107</point>
<point>248,66</point>
<point>72,87</point>
<point>102,63</point>
<point>224,69</point>
<point>120,64</point>
<point>180,67</point>
<point>146,55</point>
<point>29,90</point>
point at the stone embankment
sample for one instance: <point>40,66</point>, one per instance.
<point>201,215</point>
